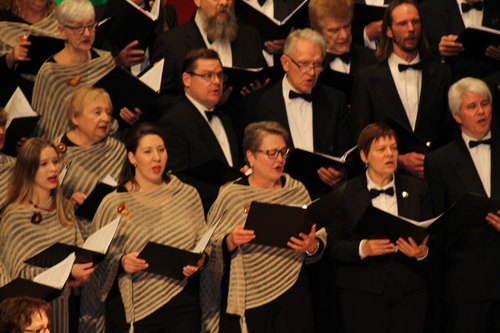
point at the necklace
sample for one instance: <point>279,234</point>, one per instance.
<point>37,216</point>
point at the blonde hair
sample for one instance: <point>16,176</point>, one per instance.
<point>335,9</point>
<point>16,7</point>
<point>82,97</point>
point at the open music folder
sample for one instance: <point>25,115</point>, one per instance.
<point>88,208</point>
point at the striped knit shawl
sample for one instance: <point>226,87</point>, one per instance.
<point>6,164</point>
<point>52,94</point>
<point>90,165</point>
<point>20,240</point>
<point>172,215</point>
<point>258,273</point>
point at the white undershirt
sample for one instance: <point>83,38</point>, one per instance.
<point>217,128</point>
<point>223,49</point>
<point>481,155</point>
<point>369,43</point>
<point>300,118</point>
<point>409,85</point>
<point>267,8</point>
<point>472,17</point>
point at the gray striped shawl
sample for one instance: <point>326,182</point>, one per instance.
<point>51,94</point>
<point>20,240</point>
<point>90,165</point>
<point>259,274</point>
<point>171,215</point>
<point>6,164</point>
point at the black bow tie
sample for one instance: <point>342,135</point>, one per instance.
<point>210,114</point>
<point>477,5</point>
<point>345,57</point>
<point>307,97</point>
<point>473,144</point>
<point>375,193</point>
<point>262,2</point>
<point>403,67</point>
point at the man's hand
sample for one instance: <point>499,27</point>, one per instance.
<point>377,247</point>
<point>256,85</point>
<point>129,56</point>
<point>493,52</point>
<point>331,176</point>
<point>275,46</point>
<point>130,117</point>
<point>494,220</point>
<point>448,47</point>
<point>374,30</point>
<point>411,248</point>
<point>413,163</point>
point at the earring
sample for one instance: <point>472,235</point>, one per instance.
<point>251,165</point>
<point>135,165</point>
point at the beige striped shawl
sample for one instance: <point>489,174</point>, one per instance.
<point>171,215</point>
<point>52,94</point>
<point>20,240</point>
<point>90,165</point>
<point>259,273</point>
<point>6,164</point>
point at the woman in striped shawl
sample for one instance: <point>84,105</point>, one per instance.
<point>36,217</point>
<point>92,152</point>
<point>6,162</point>
<point>249,287</point>
<point>122,295</point>
<point>76,65</point>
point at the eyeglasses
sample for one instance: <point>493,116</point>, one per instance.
<point>211,76</point>
<point>273,153</point>
<point>304,68</point>
<point>80,30</point>
<point>41,330</point>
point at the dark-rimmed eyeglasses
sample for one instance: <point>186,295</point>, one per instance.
<point>80,30</point>
<point>211,76</point>
<point>304,68</point>
<point>273,153</point>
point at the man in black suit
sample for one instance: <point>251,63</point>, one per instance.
<point>446,19</point>
<point>213,26</point>
<point>198,132</point>
<point>403,85</point>
<point>314,115</point>
<point>469,164</point>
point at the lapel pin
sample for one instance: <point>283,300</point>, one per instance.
<point>405,194</point>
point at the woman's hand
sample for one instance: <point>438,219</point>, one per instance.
<point>19,53</point>
<point>80,272</point>
<point>377,247</point>
<point>239,236</point>
<point>412,249</point>
<point>77,199</point>
<point>305,243</point>
<point>190,270</point>
<point>132,264</point>
<point>129,116</point>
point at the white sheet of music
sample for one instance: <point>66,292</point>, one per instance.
<point>99,241</point>
<point>57,275</point>
<point>18,107</point>
<point>63,173</point>
<point>152,78</point>
<point>108,180</point>
<point>202,244</point>
<point>155,10</point>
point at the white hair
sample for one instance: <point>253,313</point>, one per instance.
<point>307,34</point>
<point>465,85</point>
<point>74,11</point>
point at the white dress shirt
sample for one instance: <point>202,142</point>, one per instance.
<point>369,43</point>
<point>267,8</point>
<point>339,66</point>
<point>473,17</point>
<point>409,85</point>
<point>223,49</point>
<point>300,118</point>
<point>217,127</point>
<point>481,155</point>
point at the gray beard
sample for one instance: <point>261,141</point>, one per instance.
<point>226,31</point>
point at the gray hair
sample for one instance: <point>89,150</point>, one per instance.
<point>307,34</point>
<point>74,11</point>
<point>468,84</point>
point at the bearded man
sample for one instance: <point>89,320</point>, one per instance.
<point>213,26</point>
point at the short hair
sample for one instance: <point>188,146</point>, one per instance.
<point>372,133</point>
<point>468,84</point>
<point>385,47</point>
<point>307,34</point>
<point>255,133</point>
<point>81,98</point>
<point>74,11</point>
<point>192,57</point>
<point>335,9</point>
<point>16,312</point>
<point>131,141</point>
<point>15,7</point>
<point>4,117</point>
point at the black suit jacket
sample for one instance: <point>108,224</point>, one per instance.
<point>472,255</point>
<point>191,142</point>
<point>174,45</point>
<point>371,274</point>
<point>375,97</point>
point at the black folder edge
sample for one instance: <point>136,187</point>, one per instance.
<point>88,208</point>
<point>366,14</point>
<point>103,29</point>
<point>477,41</point>
<point>22,287</point>
<point>57,252</point>
<point>241,77</point>
<point>215,171</point>
<point>473,209</point>
<point>39,51</point>
<point>18,128</point>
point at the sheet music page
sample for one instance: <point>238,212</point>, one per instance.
<point>63,173</point>
<point>103,21</point>
<point>423,224</point>
<point>481,28</point>
<point>296,9</point>
<point>99,241</point>
<point>148,14</point>
<point>57,275</point>
<point>108,180</point>
<point>18,107</point>
<point>152,78</point>
<point>155,10</point>
<point>202,244</point>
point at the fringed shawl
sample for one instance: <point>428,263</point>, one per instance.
<point>6,164</point>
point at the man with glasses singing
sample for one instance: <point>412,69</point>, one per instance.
<point>197,131</point>
<point>313,114</point>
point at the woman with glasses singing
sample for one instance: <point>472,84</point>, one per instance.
<point>76,65</point>
<point>258,286</point>
<point>24,315</point>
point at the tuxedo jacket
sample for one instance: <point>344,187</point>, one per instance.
<point>371,274</point>
<point>174,45</point>
<point>191,142</point>
<point>375,97</point>
<point>361,57</point>
<point>472,254</point>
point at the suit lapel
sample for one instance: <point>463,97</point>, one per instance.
<point>495,165</point>
<point>277,109</point>
<point>464,167</point>
<point>452,17</point>
<point>491,14</point>
<point>193,36</point>
<point>404,203</point>
<point>231,137</point>
<point>321,122</point>
<point>356,58</point>
<point>430,85</point>
<point>362,195</point>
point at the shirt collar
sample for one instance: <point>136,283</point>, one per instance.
<point>287,87</point>
<point>371,185</point>
<point>467,138</point>
<point>200,107</point>
<point>395,60</point>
